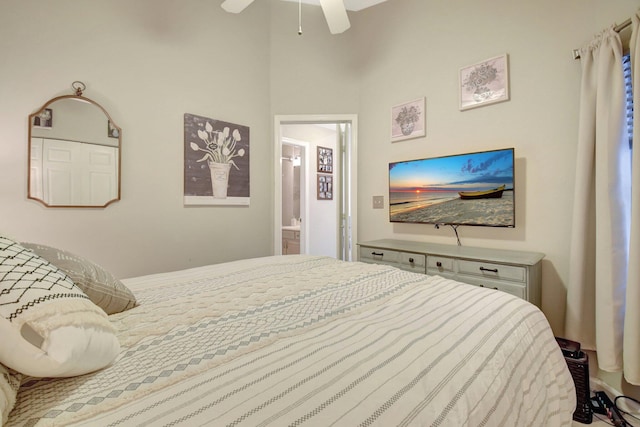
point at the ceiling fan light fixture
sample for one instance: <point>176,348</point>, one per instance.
<point>334,11</point>
<point>235,6</point>
<point>336,15</point>
<point>299,17</point>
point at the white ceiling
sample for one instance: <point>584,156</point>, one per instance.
<point>353,5</point>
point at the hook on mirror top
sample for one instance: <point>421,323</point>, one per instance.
<point>78,87</point>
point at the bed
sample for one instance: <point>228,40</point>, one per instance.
<point>309,340</point>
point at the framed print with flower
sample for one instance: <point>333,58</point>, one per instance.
<point>408,120</point>
<point>325,187</point>
<point>216,162</point>
<point>325,160</point>
<point>484,83</point>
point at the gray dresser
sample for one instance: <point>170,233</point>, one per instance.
<point>515,272</point>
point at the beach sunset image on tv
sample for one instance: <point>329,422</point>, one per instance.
<point>465,189</point>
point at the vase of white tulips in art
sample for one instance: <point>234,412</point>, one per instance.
<point>219,151</point>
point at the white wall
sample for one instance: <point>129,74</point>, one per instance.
<point>147,62</point>
<point>315,73</point>
<point>324,213</point>
<point>413,48</point>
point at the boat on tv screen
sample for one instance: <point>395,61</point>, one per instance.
<point>464,189</point>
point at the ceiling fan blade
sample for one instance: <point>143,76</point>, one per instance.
<point>336,15</point>
<point>235,6</point>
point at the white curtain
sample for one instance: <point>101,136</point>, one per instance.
<point>599,294</point>
<point>631,343</point>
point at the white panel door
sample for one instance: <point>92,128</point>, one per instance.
<point>100,176</point>
<point>78,173</point>
<point>59,158</point>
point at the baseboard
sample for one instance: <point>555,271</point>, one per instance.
<point>596,384</point>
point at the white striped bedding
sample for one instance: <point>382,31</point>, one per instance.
<point>305,340</point>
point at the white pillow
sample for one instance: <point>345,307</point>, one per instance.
<point>49,327</point>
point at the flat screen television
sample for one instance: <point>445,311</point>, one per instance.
<point>463,189</point>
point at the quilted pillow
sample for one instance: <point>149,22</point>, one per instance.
<point>49,327</point>
<point>9,385</point>
<point>101,287</point>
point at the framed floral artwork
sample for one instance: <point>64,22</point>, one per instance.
<point>408,120</point>
<point>325,187</point>
<point>216,162</point>
<point>325,160</point>
<point>484,83</point>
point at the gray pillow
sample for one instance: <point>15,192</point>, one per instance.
<point>102,288</point>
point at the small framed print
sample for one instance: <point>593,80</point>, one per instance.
<point>112,130</point>
<point>44,119</point>
<point>325,160</point>
<point>325,187</point>
<point>484,83</point>
<point>408,120</point>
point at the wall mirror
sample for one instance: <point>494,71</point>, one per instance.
<point>74,153</point>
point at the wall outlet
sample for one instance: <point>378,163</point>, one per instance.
<point>378,202</point>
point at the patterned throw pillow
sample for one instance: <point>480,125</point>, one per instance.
<point>101,287</point>
<point>49,327</point>
<point>9,385</point>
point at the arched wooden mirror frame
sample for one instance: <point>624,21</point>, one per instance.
<point>104,151</point>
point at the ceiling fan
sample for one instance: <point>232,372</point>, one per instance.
<point>334,12</point>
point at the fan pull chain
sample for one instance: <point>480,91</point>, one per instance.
<point>299,17</point>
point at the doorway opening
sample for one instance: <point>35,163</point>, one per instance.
<point>294,193</point>
<point>315,206</point>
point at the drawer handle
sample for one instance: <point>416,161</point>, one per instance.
<point>411,260</point>
<point>492,270</point>
<point>377,254</point>
<point>438,264</point>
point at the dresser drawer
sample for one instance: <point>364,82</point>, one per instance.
<point>382,256</point>
<point>491,270</point>
<point>517,289</point>
<point>403,260</point>
<point>440,265</point>
<point>413,262</point>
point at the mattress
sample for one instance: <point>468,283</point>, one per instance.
<point>307,340</point>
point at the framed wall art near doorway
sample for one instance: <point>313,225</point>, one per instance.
<point>325,187</point>
<point>325,160</point>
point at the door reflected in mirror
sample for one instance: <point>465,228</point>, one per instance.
<point>74,154</point>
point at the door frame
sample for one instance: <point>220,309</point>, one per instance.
<point>349,209</point>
